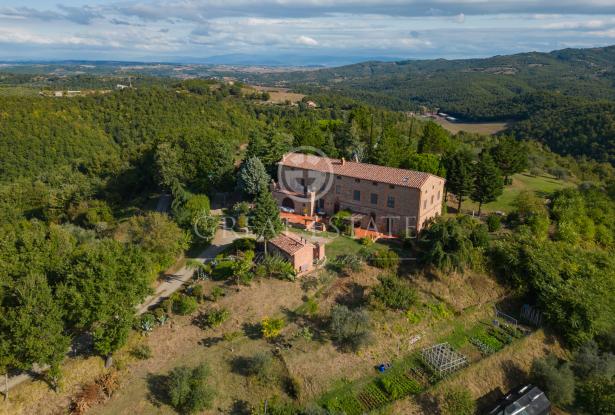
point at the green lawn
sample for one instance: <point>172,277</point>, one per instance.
<point>342,245</point>
<point>541,185</point>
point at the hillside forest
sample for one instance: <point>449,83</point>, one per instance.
<point>82,242</point>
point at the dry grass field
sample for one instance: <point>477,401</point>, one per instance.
<point>280,95</point>
<point>447,304</point>
<point>487,128</point>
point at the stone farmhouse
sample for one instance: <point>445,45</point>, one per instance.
<point>387,200</point>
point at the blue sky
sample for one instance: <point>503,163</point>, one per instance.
<point>183,30</point>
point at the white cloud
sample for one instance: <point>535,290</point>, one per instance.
<point>306,40</point>
<point>581,24</point>
<point>371,28</point>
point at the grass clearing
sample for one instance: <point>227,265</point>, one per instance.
<point>541,185</point>
<point>487,128</point>
<point>279,95</point>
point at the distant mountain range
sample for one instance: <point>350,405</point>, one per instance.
<point>469,88</point>
<point>281,60</point>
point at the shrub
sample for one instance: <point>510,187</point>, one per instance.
<point>365,241</point>
<point>394,293</point>
<point>449,244</point>
<point>242,221</point>
<point>555,378</point>
<point>260,365</point>
<point>161,315</point>
<point>341,221</point>
<point>167,305</point>
<point>216,292</point>
<point>345,264</point>
<point>350,328</point>
<point>141,352</point>
<point>413,317</point>
<point>244,244</point>
<point>308,308</point>
<point>187,389</point>
<point>147,322</point>
<point>185,305</point>
<point>232,335</point>
<point>384,258</point>
<point>494,222</point>
<point>197,292</point>
<point>535,171</point>
<point>272,327</point>
<point>216,317</point>
<point>240,208</point>
<point>589,362</point>
<point>275,266</point>
<point>458,402</point>
<point>596,396</point>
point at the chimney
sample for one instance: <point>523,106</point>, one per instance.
<point>343,161</point>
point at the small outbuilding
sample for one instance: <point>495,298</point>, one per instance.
<point>297,250</point>
<point>526,400</point>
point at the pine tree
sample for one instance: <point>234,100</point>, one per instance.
<point>252,178</point>
<point>488,182</point>
<point>435,139</point>
<point>459,174</point>
<point>510,157</point>
<point>266,222</point>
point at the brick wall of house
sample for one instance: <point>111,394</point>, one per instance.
<point>303,260</point>
<point>408,210</point>
<point>432,197</point>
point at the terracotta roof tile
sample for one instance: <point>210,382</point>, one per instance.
<point>289,243</point>
<point>371,172</point>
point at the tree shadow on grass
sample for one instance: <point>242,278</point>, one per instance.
<point>157,391</point>
<point>252,330</point>
<point>210,341</point>
<point>513,374</point>
<point>489,400</point>
<point>291,315</point>
<point>428,404</point>
<point>240,408</point>
<point>240,365</point>
<point>353,296</point>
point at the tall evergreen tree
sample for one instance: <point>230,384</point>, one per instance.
<point>459,174</point>
<point>510,157</point>
<point>435,139</point>
<point>488,182</point>
<point>266,222</point>
<point>252,178</point>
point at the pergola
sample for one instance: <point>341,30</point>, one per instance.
<point>443,359</point>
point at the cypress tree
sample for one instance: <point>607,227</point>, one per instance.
<point>266,222</point>
<point>459,175</point>
<point>488,182</point>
